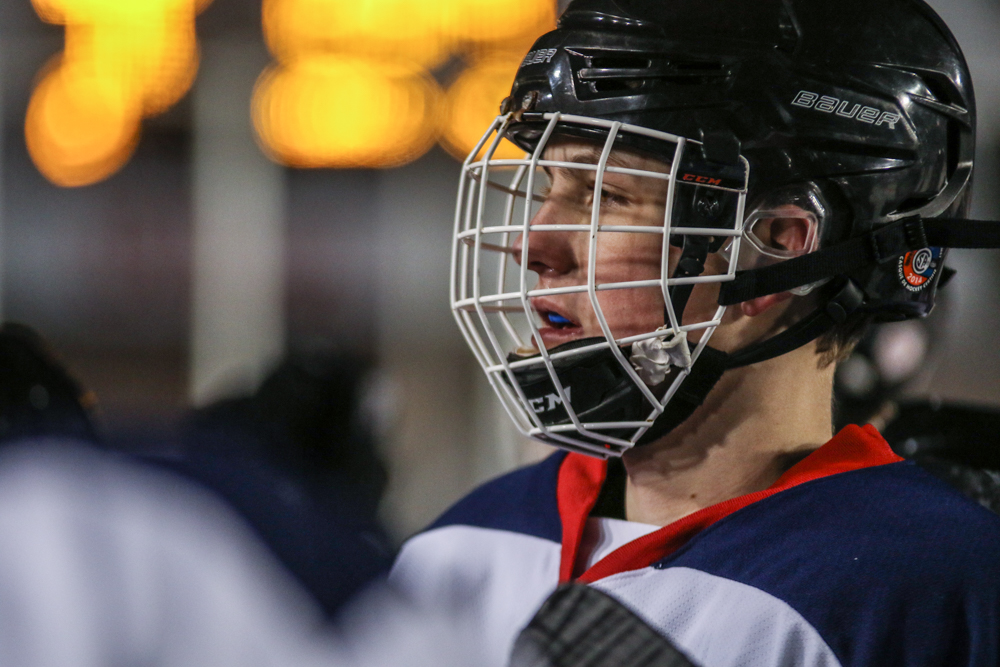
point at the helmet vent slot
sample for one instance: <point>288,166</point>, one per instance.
<point>622,74</point>
<point>940,87</point>
<point>619,62</point>
<point>618,85</point>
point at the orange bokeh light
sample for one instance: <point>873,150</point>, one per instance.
<point>123,60</point>
<point>351,86</point>
<point>473,101</point>
<point>507,25</point>
<point>78,128</point>
<point>328,111</point>
<point>385,30</point>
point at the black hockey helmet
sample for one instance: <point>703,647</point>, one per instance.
<point>866,106</point>
<point>871,101</point>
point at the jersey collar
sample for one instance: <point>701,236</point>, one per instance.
<point>581,477</point>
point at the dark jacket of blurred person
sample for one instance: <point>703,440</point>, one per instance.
<point>107,559</point>
<point>38,397</point>
<point>299,460</point>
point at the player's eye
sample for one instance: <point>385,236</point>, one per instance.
<point>609,198</point>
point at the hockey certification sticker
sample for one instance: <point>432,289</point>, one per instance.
<point>917,267</point>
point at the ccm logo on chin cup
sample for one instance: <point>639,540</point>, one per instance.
<point>549,402</point>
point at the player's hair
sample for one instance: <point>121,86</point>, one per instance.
<point>837,344</point>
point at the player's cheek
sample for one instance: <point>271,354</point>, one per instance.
<point>634,311</point>
<point>703,305</point>
<point>623,257</point>
<point>704,301</point>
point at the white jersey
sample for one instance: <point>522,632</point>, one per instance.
<point>853,557</point>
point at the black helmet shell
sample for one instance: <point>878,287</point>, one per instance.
<point>871,101</point>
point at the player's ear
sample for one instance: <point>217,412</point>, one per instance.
<point>792,233</point>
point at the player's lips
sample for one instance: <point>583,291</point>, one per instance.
<point>559,325</point>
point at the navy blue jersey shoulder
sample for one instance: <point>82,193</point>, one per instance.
<point>522,501</point>
<point>889,564</point>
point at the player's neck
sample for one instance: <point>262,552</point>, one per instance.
<point>756,423</point>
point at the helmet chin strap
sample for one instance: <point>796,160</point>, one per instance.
<point>838,298</point>
<point>838,301</point>
<point>694,253</point>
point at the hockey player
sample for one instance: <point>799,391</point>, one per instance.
<point>717,198</point>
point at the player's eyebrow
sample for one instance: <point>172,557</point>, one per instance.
<point>592,155</point>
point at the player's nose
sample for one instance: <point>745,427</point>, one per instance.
<point>549,252</point>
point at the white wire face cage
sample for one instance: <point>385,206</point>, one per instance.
<point>597,297</point>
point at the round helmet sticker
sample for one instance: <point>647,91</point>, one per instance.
<point>917,267</point>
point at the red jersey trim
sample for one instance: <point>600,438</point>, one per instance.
<point>579,485</point>
<point>581,477</point>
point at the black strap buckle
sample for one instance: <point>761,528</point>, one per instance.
<point>916,235</point>
<point>897,238</point>
<point>848,299</point>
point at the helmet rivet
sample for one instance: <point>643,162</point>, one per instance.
<point>836,312</point>
<point>529,101</point>
<point>708,206</point>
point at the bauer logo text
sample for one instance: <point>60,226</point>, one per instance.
<point>538,57</point>
<point>846,109</point>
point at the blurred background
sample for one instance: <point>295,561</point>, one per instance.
<point>190,190</point>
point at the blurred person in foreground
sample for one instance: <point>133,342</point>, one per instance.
<point>297,458</point>
<point>108,561</point>
<point>717,199</point>
<point>105,562</point>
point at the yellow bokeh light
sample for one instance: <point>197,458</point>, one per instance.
<point>473,101</point>
<point>417,31</point>
<point>336,56</point>
<point>96,12</point>
<point>508,25</point>
<point>157,61</point>
<point>143,51</point>
<point>328,111</point>
<point>390,30</point>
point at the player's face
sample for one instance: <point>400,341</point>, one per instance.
<point>561,259</point>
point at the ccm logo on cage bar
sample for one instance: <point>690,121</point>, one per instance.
<point>827,104</point>
<point>549,402</point>
<point>704,180</point>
